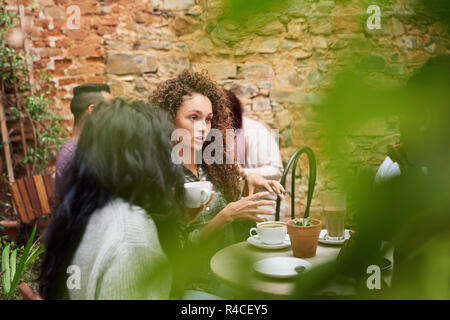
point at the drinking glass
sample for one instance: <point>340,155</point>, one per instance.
<point>334,208</point>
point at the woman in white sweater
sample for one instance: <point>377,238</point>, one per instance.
<point>112,234</point>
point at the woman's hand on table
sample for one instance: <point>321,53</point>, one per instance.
<point>247,208</point>
<point>256,181</point>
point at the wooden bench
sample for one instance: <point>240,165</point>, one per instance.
<point>33,197</point>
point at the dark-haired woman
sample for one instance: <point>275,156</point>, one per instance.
<point>114,225</point>
<point>256,149</point>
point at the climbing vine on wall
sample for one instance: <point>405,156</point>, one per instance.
<point>26,102</point>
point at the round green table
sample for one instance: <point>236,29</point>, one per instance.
<point>233,266</point>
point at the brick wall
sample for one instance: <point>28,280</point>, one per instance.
<point>278,66</point>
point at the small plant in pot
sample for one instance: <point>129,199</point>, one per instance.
<point>304,235</point>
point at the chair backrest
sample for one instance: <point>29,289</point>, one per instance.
<point>32,196</point>
<point>311,183</point>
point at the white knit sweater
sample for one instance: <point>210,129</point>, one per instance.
<point>119,246</point>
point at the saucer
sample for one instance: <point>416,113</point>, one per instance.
<point>324,240</point>
<point>281,267</point>
<point>258,243</point>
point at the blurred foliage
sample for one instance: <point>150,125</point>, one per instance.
<point>440,8</point>
<point>19,264</point>
<point>245,11</point>
<point>410,212</point>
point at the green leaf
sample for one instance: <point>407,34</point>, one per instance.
<point>6,277</point>
<point>22,261</point>
<point>34,253</point>
<point>12,260</point>
<point>304,222</point>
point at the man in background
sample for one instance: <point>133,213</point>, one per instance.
<point>85,98</point>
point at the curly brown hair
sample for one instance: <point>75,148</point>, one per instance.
<point>169,96</point>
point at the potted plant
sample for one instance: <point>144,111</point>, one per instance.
<point>304,234</point>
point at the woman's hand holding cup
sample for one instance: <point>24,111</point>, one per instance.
<point>193,213</point>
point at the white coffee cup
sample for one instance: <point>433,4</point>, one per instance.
<point>270,232</point>
<point>197,193</point>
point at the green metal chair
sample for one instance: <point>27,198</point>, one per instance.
<point>311,183</point>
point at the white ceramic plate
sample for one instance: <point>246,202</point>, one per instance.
<point>258,243</point>
<point>324,240</point>
<point>281,267</point>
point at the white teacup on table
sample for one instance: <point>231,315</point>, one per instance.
<point>197,193</point>
<point>270,232</point>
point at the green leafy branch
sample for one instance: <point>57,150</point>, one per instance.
<point>11,270</point>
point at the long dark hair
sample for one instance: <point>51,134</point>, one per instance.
<point>124,151</point>
<point>235,106</point>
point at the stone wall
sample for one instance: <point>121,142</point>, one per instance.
<point>278,65</point>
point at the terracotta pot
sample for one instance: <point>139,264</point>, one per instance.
<point>304,240</point>
<point>11,229</point>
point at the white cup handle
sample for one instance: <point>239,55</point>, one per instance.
<point>251,230</point>
<point>204,195</point>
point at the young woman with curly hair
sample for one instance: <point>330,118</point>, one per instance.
<point>197,105</point>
